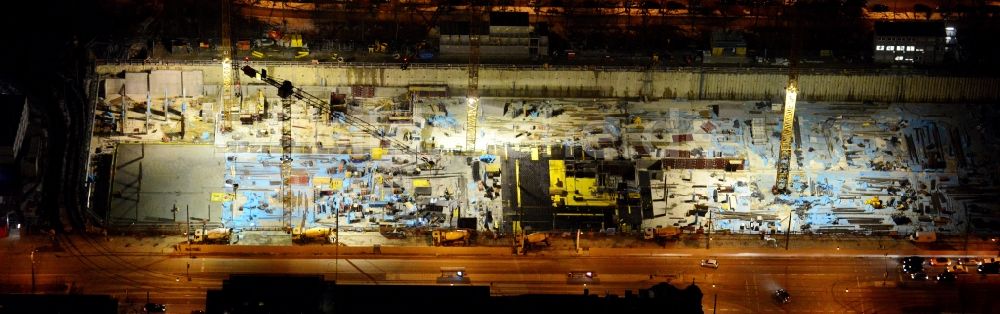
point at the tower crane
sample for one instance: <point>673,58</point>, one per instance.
<point>230,78</point>
<point>472,93</point>
<point>784,161</point>
<point>286,88</point>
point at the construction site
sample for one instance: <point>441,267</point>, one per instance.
<point>240,150</point>
<point>389,165</point>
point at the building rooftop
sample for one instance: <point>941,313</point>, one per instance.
<point>917,29</point>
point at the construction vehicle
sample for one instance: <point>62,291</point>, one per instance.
<point>662,233</point>
<point>451,237</point>
<point>924,237</point>
<point>314,234</point>
<point>874,202</point>
<point>217,235</point>
<point>534,239</point>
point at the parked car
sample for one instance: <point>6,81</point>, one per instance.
<point>154,308</point>
<point>909,269</point>
<point>918,276</point>
<point>912,260</point>
<point>991,268</point>
<point>940,261</point>
<point>967,261</point>
<point>946,277</point>
<point>988,260</point>
<point>710,263</point>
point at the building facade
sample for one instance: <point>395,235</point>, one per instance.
<point>15,111</point>
<point>921,43</point>
<point>508,36</point>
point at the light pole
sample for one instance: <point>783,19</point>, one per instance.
<point>708,241</point>
<point>33,270</point>
<point>336,243</point>
<point>788,231</point>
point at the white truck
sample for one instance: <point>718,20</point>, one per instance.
<point>216,235</point>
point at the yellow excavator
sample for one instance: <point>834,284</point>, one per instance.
<point>874,202</point>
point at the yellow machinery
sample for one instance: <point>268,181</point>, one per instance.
<point>664,233</point>
<point>472,93</point>
<point>874,202</point>
<point>314,234</point>
<point>533,239</point>
<point>450,237</point>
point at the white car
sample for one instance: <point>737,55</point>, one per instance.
<point>988,260</point>
<point>940,261</point>
<point>710,263</point>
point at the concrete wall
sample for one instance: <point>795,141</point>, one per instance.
<point>735,84</point>
<point>136,86</point>
<point>113,88</point>
<point>165,83</point>
<point>193,83</point>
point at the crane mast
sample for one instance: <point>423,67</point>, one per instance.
<point>787,136</point>
<point>229,77</point>
<point>784,162</point>
<point>285,92</point>
<point>472,93</point>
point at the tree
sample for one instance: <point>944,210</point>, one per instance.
<point>674,6</point>
<point>923,8</point>
<point>880,8</point>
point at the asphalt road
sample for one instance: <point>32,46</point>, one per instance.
<point>743,283</point>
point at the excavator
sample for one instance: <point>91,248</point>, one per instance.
<point>875,202</point>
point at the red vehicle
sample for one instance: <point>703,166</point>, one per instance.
<point>5,227</point>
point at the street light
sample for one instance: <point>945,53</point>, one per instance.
<point>336,243</point>
<point>33,270</point>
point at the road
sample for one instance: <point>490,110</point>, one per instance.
<point>743,284</point>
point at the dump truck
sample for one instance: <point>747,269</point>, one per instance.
<point>662,233</point>
<point>314,234</point>
<point>450,237</point>
<point>924,237</point>
<point>216,235</point>
<point>535,239</point>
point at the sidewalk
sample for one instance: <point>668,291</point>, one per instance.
<point>594,246</point>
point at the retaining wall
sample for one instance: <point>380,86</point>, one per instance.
<point>581,82</point>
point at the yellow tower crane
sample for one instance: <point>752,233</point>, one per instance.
<point>784,162</point>
<point>229,77</point>
<point>472,93</point>
<point>787,136</point>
